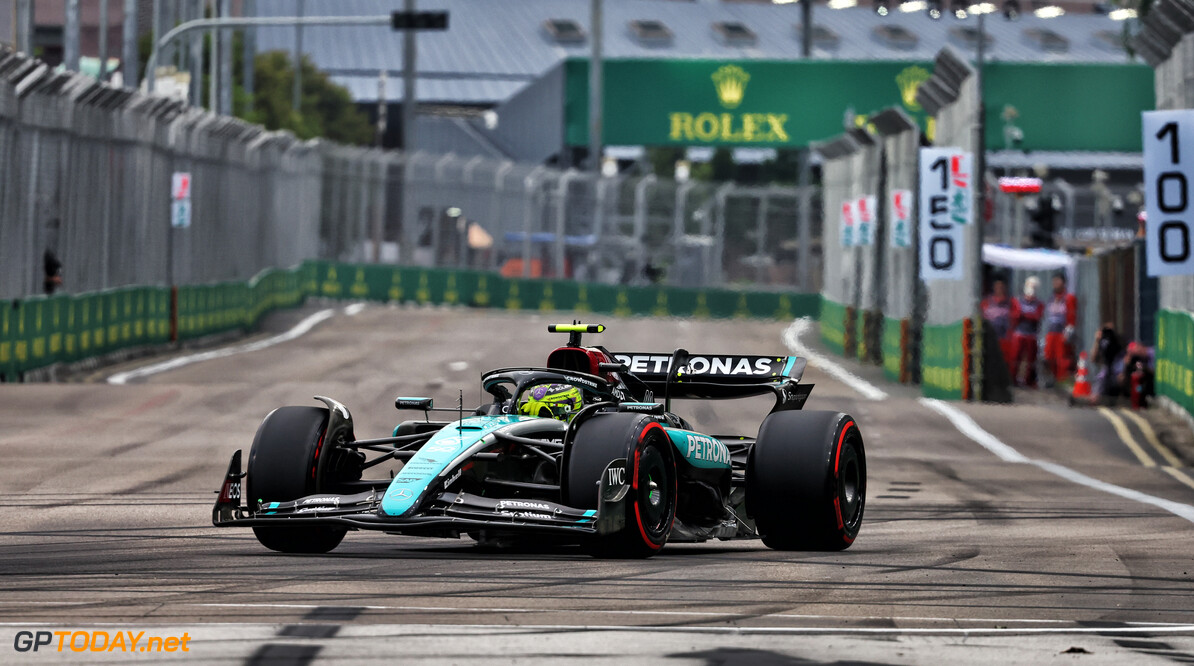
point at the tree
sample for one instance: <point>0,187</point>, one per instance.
<point>326,110</point>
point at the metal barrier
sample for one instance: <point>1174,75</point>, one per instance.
<point>42,331</point>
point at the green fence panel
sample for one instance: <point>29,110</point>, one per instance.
<point>56,311</point>
<point>833,325</point>
<point>309,274</point>
<point>941,361</point>
<point>1175,357</point>
<point>720,303</point>
<point>7,336</point>
<point>892,349</point>
<point>861,349</point>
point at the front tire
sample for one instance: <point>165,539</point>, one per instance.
<point>650,504</point>
<point>283,466</point>
<point>806,481</point>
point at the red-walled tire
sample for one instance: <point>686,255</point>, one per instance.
<point>282,467</point>
<point>806,481</point>
<point>651,502</point>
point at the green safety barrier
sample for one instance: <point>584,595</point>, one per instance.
<point>479,289</point>
<point>1175,357</point>
<point>941,361</point>
<point>39,331</point>
<point>893,350</point>
<point>833,325</point>
<point>863,350</point>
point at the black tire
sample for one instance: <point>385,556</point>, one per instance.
<point>651,503</point>
<point>806,481</point>
<point>282,467</point>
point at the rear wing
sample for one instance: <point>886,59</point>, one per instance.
<point>715,375</point>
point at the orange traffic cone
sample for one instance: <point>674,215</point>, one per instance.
<point>1081,383</point>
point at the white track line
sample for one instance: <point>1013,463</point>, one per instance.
<point>968,427</point>
<point>364,630</point>
<point>299,329</point>
<point>591,611</point>
<point>791,338</point>
<point>355,309</point>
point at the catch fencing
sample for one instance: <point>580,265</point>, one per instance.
<point>875,305</point>
<point>88,177</point>
<point>90,180</point>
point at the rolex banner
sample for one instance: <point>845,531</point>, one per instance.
<point>662,101</point>
<point>945,208</point>
<point>899,218</point>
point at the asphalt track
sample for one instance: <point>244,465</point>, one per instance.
<point>964,556</point>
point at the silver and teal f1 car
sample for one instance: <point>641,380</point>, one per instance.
<point>585,450</point>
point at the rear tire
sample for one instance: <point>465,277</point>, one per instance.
<point>650,504</point>
<point>283,467</point>
<point>806,481</point>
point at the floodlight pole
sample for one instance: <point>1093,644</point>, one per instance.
<point>596,85</point>
<point>806,29</point>
<point>410,99</point>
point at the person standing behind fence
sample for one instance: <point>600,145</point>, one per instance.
<point>997,311</point>
<point>1027,311</point>
<point>1061,314</point>
<point>51,265</point>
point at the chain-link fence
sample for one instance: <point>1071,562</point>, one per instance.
<point>89,185</point>
<point>536,221</point>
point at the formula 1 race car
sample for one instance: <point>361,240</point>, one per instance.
<point>579,451</point>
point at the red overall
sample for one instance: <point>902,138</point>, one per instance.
<point>1061,312</point>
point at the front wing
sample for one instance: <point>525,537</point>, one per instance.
<point>442,514</point>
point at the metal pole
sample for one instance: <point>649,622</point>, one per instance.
<point>803,221</point>
<point>22,31</point>
<point>196,60</point>
<point>980,208</point>
<point>761,238</point>
<point>296,93</point>
<point>129,57</point>
<point>102,75</point>
<point>409,96</point>
<point>70,44</point>
<point>213,69</point>
<point>806,28</point>
<point>381,108</point>
<point>156,30</point>
<point>225,106</point>
<point>248,64</point>
<point>597,25</point>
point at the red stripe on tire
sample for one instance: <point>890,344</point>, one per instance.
<point>837,504</point>
<point>638,516</point>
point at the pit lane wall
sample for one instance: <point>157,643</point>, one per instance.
<point>1166,42</point>
<point>42,331</point>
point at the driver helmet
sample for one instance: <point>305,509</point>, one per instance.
<point>557,401</point>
